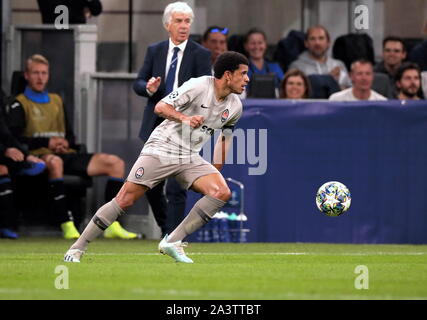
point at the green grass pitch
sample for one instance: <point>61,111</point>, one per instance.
<point>117,269</point>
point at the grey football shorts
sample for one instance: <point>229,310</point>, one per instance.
<point>150,170</point>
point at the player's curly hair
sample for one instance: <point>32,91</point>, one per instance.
<point>229,61</point>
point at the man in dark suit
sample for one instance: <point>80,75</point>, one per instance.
<point>167,65</point>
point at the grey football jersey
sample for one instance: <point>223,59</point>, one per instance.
<point>194,97</point>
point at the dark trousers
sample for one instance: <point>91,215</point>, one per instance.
<point>169,208</point>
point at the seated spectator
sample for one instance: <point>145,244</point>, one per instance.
<point>408,81</point>
<point>215,40</point>
<point>295,85</point>
<point>255,46</point>
<point>394,53</point>
<point>316,61</point>
<point>38,119</point>
<point>362,76</point>
<point>13,160</point>
<point>8,212</point>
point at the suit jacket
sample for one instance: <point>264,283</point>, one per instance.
<point>195,63</point>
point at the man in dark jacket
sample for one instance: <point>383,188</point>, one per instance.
<point>14,159</point>
<point>167,65</point>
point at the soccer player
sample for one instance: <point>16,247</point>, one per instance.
<point>192,113</point>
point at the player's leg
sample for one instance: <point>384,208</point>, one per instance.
<point>216,194</point>
<point>104,217</point>
<point>55,169</point>
<point>109,165</point>
<point>114,167</point>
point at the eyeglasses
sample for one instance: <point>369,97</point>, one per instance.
<point>221,30</point>
<point>393,50</point>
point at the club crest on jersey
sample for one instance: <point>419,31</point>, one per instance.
<point>173,95</point>
<point>224,115</point>
<point>139,173</point>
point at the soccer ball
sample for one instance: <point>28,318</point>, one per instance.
<point>333,198</point>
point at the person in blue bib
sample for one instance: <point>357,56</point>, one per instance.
<point>38,120</point>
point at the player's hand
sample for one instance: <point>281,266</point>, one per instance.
<point>14,154</point>
<point>32,158</point>
<point>153,84</point>
<point>58,144</point>
<point>194,121</point>
<point>62,147</point>
<point>335,73</point>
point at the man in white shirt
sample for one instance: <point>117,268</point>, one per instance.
<point>362,76</point>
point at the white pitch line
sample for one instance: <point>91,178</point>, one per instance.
<point>230,294</point>
<point>239,253</point>
<point>257,295</point>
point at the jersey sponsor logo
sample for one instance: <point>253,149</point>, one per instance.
<point>203,106</point>
<point>139,173</point>
<point>173,95</point>
<point>205,128</point>
<point>224,115</point>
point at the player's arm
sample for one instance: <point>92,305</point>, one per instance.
<point>167,111</point>
<point>222,146</point>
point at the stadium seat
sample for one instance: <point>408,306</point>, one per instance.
<point>352,47</point>
<point>382,85</point>
<point>322,86</point>
<point>289,48</point>
<point>262,86</point>
<point>235,42</point>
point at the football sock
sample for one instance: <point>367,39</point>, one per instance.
<point>102,219</point>
<point>7,208</point>
<point>199,215</point>
<point>112,188</point>
<point>59,201</point>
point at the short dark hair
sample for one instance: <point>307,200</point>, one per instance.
<point>394,38</point>
<point>361,61</point>
<point>229,61</point>
<point>253,31</point>
<point>212,29</point>
<point>317,26</point>
<point>404,67</point>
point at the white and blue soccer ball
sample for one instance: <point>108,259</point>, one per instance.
<point>333,198</point>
